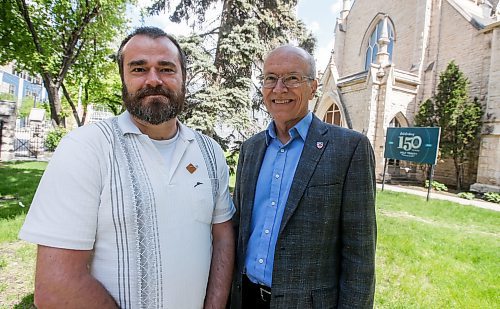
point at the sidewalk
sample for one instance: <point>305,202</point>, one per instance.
<point>440,196</point>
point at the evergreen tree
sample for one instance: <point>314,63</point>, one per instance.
<point>425,116</point>
<point>458,116</point>
<point>224,59</point>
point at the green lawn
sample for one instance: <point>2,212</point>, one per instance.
<point>434,254</point>
<point>17,187</point>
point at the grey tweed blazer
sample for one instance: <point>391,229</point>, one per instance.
<point>325,253</point>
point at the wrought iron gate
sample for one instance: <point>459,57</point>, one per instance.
<point>29,141</point>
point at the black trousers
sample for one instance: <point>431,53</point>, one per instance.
<point>255,296</point>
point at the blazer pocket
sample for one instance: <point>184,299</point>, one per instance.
<point>323,204</point>
<point>324,298</point>
<point>323,190</point>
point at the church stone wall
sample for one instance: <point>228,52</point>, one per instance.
<point>357,103</point>
<point>401,101</point>
<point>361,15</point>
<point>444,172</point>
<point>489,163</point>
<point>429,34</point>
<point>467,46</point>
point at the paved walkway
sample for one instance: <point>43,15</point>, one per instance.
<point>440,196</point>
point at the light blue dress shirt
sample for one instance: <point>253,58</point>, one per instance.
<point>273,185</point>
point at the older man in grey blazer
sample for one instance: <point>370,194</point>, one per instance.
<point>305,199</point>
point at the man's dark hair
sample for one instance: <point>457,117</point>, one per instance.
<point>154,33</point>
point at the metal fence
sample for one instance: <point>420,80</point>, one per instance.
<point>29,140</point>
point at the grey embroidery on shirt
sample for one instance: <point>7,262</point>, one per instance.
<point>149,266</point>
<point>208,152</point>
<point>118,209</point>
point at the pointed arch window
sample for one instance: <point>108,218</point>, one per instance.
<point>373,47</point>
<point>333,115</point>
<point>395,123</point>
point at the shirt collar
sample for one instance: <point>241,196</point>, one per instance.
<point>301,129</point>
<point>127,126</point>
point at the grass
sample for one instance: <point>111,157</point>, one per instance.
<point>434,254</point>
<point>19,181</point>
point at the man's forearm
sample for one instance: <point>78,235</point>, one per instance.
<point>63,281</point>
<point>86,293</point>
<point>221,268</point>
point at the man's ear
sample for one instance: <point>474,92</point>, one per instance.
<point>314,88</point>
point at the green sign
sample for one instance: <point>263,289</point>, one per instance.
<point>412,144</point>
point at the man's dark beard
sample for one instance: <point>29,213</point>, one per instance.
<point>166,105</point>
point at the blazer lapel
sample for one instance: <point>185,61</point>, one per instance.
<point>314,147</point>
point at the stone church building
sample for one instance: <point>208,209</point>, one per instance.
<point>387,60</point>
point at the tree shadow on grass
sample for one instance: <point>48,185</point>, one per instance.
<point>17,188</point>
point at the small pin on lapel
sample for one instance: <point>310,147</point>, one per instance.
<point>319,145</point>
<point>191,168</point>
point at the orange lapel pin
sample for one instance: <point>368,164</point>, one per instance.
<point>191,168</point>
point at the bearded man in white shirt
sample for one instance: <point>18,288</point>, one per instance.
<point>134,211</point>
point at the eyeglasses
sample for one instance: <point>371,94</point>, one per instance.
<point>289,80</point>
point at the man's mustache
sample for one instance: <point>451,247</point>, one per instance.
<point>153,91</point>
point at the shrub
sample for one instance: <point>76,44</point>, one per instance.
<point>26,106</point>
<point>436,185</point>
<point>492,197</point>
<point>7,97</point>
<point>53,138</point>
<point>466,195</point>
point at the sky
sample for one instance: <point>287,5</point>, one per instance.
<point>319,16</point>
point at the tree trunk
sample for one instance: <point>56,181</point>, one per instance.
<point>458,176</point>
<point>72,104</point>
<point>54,99</point>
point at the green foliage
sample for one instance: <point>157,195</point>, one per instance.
<point>493,197</point>
<point>436,185</point>
<point>28,301</point>
<point>54,137</point>
<point>466,195</point>
<point>425,116</point>
<point>7,96</point>
<point>57,38</point>
<point>458,116</point>
<point>232,158</point>
<point>223,60</point>
<point>26,106</point>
